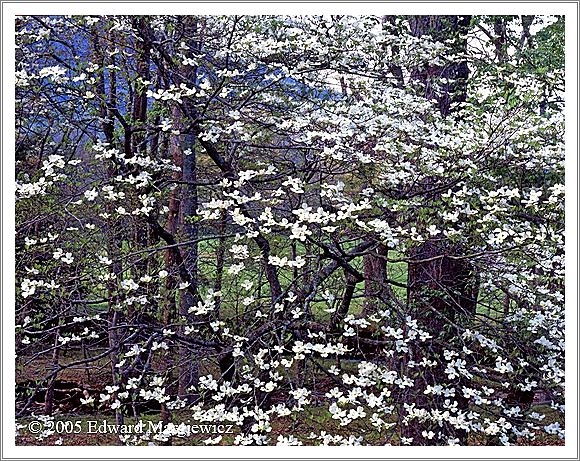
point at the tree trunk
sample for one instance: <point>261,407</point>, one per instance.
<point>137,139</point>
<point>113,241</point>
<point>189,370</point>
<point>375,275</point>
<point>441,288</point>
<point>49,396</point>
<point>188,362</point>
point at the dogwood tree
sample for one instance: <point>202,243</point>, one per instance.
<point>350,228</point>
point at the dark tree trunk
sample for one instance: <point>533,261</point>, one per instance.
<point>189,370</point>
<point>49,396</point>
<point>442,28</point>
<point>442,287</point>
<point>500,39</point>
<point>113,240</point>
<point>169,307</point>
<point>342,310</point>
<point>136,141</point>
<point>188,363</point>
<point>375,275</point>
